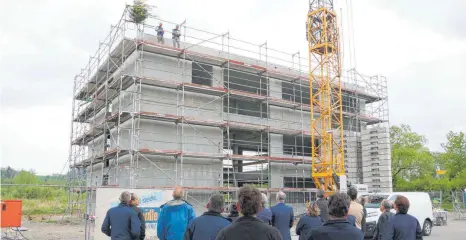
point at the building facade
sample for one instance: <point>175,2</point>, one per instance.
<point>211,115</point>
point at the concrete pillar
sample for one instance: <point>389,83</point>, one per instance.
<point>275,87</point>
<point>276,145</point>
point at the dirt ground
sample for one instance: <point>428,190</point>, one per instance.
<point>57,229</point>
<point>48,228</point>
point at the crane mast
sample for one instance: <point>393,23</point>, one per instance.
<point>327,144</point>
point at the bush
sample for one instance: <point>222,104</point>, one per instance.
<point>38,200</point>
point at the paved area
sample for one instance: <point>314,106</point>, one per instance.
<point>456,229</point>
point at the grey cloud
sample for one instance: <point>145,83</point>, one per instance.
<point>445,17</point>
<point>42,53</point>
<point>430,97</point>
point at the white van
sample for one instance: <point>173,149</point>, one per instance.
<point>420,207</point>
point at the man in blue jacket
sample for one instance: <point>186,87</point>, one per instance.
<point>282,216</point>
<point>208,225</point>
<point>122,222</point>
<point>337,226</point>
<point>402,225</point>
<point>174,217</point>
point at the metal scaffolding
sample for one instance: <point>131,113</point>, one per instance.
<point>212,115</point>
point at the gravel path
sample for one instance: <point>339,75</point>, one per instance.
<point>51,230</point>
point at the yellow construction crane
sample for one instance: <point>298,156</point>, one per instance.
<point>326,101</point>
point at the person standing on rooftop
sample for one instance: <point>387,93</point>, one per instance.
<point>174,217</point>
<point>160,32</point>
<point>176,34</point>
<point>282,216</point>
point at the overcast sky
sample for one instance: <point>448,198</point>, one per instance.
<point>419,45</point>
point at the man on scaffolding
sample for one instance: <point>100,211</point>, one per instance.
<point>176,33</point>
<point>160,33</point>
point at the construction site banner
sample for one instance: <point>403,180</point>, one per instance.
<point>150,201</point>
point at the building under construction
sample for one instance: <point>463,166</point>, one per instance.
<point>213,115</point>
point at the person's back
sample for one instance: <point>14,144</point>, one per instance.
<point>174,217</point>
<point>323,206</point>
<point>210,223</point>
<point>337,226</point>
<point>401,227</point>
<point>352,220</point>
<point>138,211</point>
<point>282,219</point>
<point>356,209</point>
<point>206,226</point>
<point>336,230</point>
<point>122,222</point>
<point>382,224</point>
<point>306,224</point>
<point>265,216</point>
<point>248,227</point>
<point>282,216</point>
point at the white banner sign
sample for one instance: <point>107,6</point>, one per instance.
<point>150,201</point>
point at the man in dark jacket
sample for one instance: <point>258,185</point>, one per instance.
<point>385,207</point>
<point>248,227</point>
<point>402,225</point>
<point>322,204</point>
<point>265,214</point>
<point>352,220</point>
<point>282,216</point>
<point>122,222</point>
<point>207,226</point>
<point>337,227</point>
<point>134,205</point>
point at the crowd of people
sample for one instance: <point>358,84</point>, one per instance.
<point>339,216</point>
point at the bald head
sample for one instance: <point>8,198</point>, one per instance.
<point>178,193</point>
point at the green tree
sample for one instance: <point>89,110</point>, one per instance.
<point>139,11</point>
<point>411,159</point>
<point>25,177</point>
<point>454,158</point>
